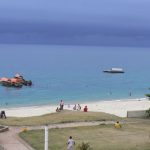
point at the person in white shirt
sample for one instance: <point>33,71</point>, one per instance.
<point>70,143</point>
<point>78,107</point>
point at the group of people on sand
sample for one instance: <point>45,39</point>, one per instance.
<point>75,107</point>
<point>78,108</point>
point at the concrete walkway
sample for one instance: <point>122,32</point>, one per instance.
<point>11,141</point>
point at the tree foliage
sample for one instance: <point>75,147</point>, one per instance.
<point>148,95</point>
<point>148,113</point>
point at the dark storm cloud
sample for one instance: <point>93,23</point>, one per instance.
<point>104,22</point>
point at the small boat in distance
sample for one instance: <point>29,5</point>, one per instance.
<point>114,70</point>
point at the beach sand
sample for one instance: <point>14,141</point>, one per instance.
<point>116,107</point>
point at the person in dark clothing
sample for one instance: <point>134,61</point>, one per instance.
<point>85,109</point>
<point>61,105</point>
<point>3,115</point>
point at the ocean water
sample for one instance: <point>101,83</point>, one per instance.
<point>73,73</point>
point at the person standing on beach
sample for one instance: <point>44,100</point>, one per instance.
<point>61,105</point>
<point>70,143</point>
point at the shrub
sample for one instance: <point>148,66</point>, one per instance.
<point>148,95</point>
<point>148,113</point>
<point>84,146</point>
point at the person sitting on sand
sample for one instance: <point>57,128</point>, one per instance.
<point>2,114</point>
<point>75,107</point>
<point>85,109</point>
<point>117,125</point>
<point>57,109</point>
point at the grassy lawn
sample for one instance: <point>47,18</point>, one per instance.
<point>102,137</point>
<point>61,117</point>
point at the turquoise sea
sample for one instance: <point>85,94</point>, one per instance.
<point>73,73</point>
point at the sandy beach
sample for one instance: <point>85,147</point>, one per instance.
<point>116,107</point>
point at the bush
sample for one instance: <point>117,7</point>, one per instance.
<point>148,113</point>
<point>148,95</point>
<point>84,146</point>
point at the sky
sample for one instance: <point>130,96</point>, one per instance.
<point>76,22</point>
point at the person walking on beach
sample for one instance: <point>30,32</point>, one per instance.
<point>57,109</point>
<point>70,143</point>
<point>61,105</point>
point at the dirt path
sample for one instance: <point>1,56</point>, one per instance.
<point>73,124</point>
<point>11,141</point>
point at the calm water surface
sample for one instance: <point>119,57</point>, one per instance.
<point>73,73</point>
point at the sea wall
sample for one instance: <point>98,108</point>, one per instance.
<point>136,114</point>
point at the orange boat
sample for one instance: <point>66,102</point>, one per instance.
<point>17,81</point>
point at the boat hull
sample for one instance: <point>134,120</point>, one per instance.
<point>9,84</point>
<point>113,71</point>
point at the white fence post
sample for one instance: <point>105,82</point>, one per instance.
<point>46,137</point>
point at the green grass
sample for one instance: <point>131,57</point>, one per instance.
<point>61,117</point>
<point>102,137</point>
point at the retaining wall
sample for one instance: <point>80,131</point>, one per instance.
<point>136,114</point>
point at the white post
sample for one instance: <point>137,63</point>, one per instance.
<point>46,137</point>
